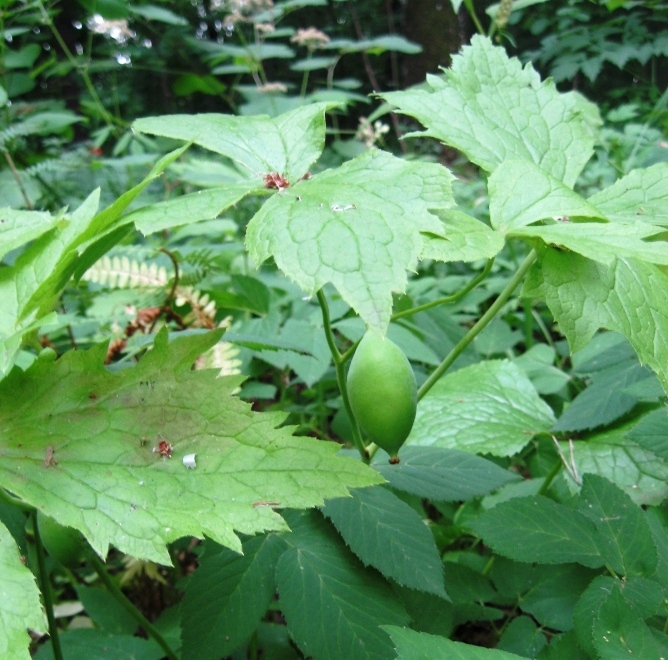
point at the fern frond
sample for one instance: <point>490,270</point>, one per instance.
<point>223,356</point>
<point>120,272</point>
<point>203,310</point>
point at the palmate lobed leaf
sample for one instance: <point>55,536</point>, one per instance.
<point>630,297</point>
<point>288,144</point>
<point>77,441</point>
<point>492,109</point>
<point>359,227</point>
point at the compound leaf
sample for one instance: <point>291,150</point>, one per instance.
<point>358,227</point>
<point>287,145</point>
<point>466,239</point>
<point>82,443</point>
<point>521,193</point>
<point>640,195</point>
<point>492,109</point>
<point>603,242</point>
<point>630,297</point>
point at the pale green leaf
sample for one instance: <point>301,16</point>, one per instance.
<point>78,441</point>
<point>488,407</point>
<point>30,288</point>
<point>288,144</point>
<point>227,596</point>
<point>20,606</point>
<point>386,533</point>
<point>538,364</point>
<point>543,531</point>
<point>333,606</point>
<point>625,539</point>
<point>443,475</point>
<point>612,455</point>
<point>186,209</point>
<point>640,195</point>
<point>20,227</point>
<point>520,193</point>
<point>631,297</point>
<point>411,645</point>
<point>358,227</point>
<point>465,239</point>
<point>492,109</point>
<point>603,242</point>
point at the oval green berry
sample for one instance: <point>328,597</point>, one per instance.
<point>382,391</point>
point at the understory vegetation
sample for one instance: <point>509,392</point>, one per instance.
<point>310,348</point>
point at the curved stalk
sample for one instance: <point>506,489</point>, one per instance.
<point>46,592</point>
<point>481,324</point>
<point>121,598</point>
<point>447,299</point>
<point>339,365</point>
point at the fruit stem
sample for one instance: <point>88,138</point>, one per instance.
<point>448,299</point>
<point>122,599</point>
<point>339,365</point>
<point>482,322</point>
<point>46,592</point>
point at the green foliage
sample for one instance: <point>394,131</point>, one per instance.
<point>174,366</point>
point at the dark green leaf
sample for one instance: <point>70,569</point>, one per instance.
<point>624,537</point>
<point>651,432</point>
<point>332,604</point>
<point>411,645</point>
<point>444,475</point>
<point>228,595</point>
<point>387,534</point>
<point>543,531</point>
<point>522,637</point>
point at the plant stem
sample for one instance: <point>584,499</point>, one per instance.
<point>107,116</point>
<point>122,599</point>
<point>551,475</point>
<point>46,592</point>
<point>447,299</point>
<point>482,322</point>
<point>339,365</point>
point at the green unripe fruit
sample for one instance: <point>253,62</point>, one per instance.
<point>382,392</point>
<point>65,544</point>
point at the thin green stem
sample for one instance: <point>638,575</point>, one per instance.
<point>480,325</point>
<point>474,17</point>
<point>106,115</point>
<point>116,592</point>
<point>46,592</point>
<point>447,299</point>
<point>339,365</point>
<point>304,87</point>
<point>551,476</point>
